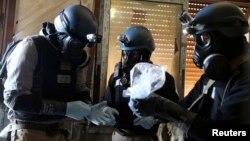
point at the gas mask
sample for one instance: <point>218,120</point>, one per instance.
<point>208,55</point>
<point>79,25</point>
<point>73,48</point>
<point>208,51</point>
<point>218,30</point>
<point>130,58</point>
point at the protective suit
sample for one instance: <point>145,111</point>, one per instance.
<point>220,98</point>
<point>137,45</point>
<point>42,87</point>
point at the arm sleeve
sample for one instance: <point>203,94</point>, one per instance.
<point>195,92</point>
<point>17,93</point>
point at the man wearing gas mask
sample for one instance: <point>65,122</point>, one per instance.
<point>42,86</point>
<point>137,45</point>
<point>221,98</point>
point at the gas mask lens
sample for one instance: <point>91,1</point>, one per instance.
<point>203,39</point>
<point>76,45</point>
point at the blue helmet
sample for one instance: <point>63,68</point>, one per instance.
<point>77,21</point>
<point>224,17</point>
<point>137,38</point>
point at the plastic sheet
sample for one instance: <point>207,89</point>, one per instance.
<point>145,79</point>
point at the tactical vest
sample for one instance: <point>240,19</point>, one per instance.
<point>125,120</point>
<point>53,79</point>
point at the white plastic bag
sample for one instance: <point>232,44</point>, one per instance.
<point>145,79</point>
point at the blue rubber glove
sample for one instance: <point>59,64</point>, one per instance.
<point>77,110</point>
<point>111,112</point>
<point>145,122</point>
<point>98,116</point>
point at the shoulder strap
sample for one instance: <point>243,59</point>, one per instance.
<point>42,44</point>
<point>40,41</point>
<point>205,90</point>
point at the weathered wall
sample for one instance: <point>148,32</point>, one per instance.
<point>30,14</point>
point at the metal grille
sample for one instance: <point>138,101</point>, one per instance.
<point>160,18</point>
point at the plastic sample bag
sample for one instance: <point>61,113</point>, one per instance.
<point>145,79</point>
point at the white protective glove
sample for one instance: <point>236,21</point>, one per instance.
<point>101,114</point>
<point>146,122</point>
<point>77,110</point>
